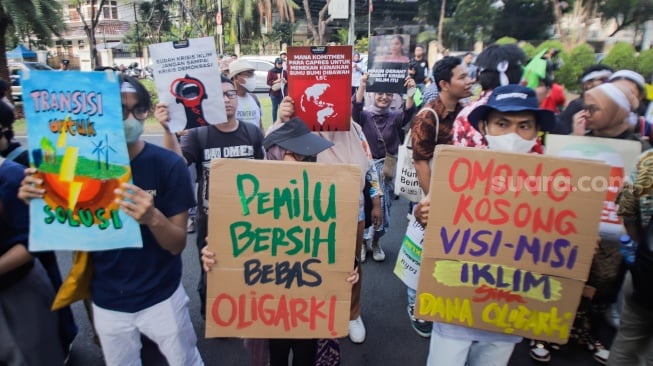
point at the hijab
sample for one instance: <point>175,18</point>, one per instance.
<point>350,147</point>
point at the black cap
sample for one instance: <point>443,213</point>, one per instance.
<point>295,136</point>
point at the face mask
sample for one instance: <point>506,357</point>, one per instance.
<point>511,142</point>
<point>133,130</point>
<point>250,84</point>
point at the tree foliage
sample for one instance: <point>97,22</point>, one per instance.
<point>281,33</point>
<point>524,20</point>
<point>645,63</point>
<point>528,49</point>
<point>154,25</point>
<point>549,44</point>
<point>621,56</point>
<point>473,20</point>
<point>90,23</point>
<point>626,12</point>
<point>573,65</point>
<point>40,19</point>
<point>361,45</point>
<point>506,40</point>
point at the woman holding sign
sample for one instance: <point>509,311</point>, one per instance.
<point>510,121</point>
<point>382,128</point>
<point>291,141</point>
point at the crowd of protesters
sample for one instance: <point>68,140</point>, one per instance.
<point>506,116</point>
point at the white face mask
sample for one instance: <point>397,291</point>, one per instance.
<point>133,130</point>
<point>250,84</point>
<point>511,142</point>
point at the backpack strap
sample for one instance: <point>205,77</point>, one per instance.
<point>15,153</point>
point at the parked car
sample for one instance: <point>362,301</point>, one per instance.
<point>15,71</point>
<point>262,64</point>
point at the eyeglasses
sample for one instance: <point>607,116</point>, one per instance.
<point>591,109</point>
<point>139,112</point>
<point>231,94</point>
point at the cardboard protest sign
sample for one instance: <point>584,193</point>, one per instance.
<point>387,63</point>
<point>410,254</point>
<point>509,241</point>
<point>621,155</point>
<point>76,140</point>
<point>284,245</point>
<point>317,78</point>
<point>187,78</point>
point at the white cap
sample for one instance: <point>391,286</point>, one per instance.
<point>238,66</point>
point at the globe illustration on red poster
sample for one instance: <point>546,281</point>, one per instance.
<point>319,80</point>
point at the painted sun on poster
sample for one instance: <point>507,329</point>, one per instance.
<point>76,140</point>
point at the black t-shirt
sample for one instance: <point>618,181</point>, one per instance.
<point>421,69</point>
<point>202,144</point>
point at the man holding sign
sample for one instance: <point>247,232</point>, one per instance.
<point>139,290</point>
<point>509,122</point>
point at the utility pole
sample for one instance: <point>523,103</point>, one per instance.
<point>352,22</point>
<point>219,27</point>
<point>139,53</point>
<point>369,20</point>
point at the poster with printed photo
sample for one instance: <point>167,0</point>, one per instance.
<point>187,78</point>
<point>318,78</point>
<point>387,63</point>
<point>76,140</point>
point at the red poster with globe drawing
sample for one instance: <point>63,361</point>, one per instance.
<point>319,81</point>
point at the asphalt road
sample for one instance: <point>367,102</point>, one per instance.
<point>390,338</point>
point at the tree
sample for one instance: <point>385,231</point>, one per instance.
<point>38,18</point>
<point>506,40</point>
<point>361,45</point>
<point>155,18</point>
<point>621,56</point>
<point>95,10</point>
<point>573,65</point>
<point>626,12</point>
<point>528,49</point>
<point>317,31</point>
<point>240,15</point>
<point>281,33</point>
<point>524,20</point>
<point>473,20</point>
<point>580,14</point>
<point>154,24</point>
<point>645,63</point>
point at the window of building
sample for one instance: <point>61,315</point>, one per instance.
<point>110,10</point>
<point>73,15</point>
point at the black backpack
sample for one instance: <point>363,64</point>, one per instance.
<point>642,269</point>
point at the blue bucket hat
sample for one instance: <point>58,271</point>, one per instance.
<point>513,98</point>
